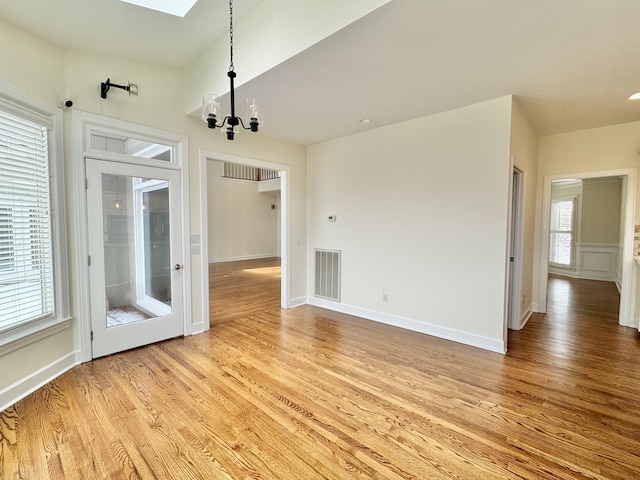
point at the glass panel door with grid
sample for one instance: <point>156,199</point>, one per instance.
<point>135,243</point>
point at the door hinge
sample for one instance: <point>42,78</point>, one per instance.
<point>89,260</point>
<point>92,335</point>
<point>86,184</point>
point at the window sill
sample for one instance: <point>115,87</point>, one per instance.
<point>27,334</point>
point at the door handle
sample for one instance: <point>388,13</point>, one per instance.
<point>177,266</point>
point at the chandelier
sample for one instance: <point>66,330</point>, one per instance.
<point>212,105</point>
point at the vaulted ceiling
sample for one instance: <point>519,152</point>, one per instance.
<point>571,64</point>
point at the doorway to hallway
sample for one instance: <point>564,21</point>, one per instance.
<point>591,255</point>
<point>243,288</point>
<point>582,298</point>
<point>220,250</point>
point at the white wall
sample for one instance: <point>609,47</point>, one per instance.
<point>421,212</point>
<point>242,224</point>
<point>593,150</point>
<point>273,32</point>
<point>524,151</point>
<point>586,151</point>
<point>25,59</point>
<point>51,74</point>
<point>31,64</point>
<point>601,210</point>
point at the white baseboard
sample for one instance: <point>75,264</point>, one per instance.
<point>630,322</point>
<point>29,384</point>
<point>296,302</point>
<point>197,328</point>
<point>593,262</point>
<point>584,274</point>
<point>465,338</point>
<point>243,257</point>
<point>524,318</point>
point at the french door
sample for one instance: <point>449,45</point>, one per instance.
<point>135,248</point>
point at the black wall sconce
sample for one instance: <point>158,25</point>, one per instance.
<point>132,88</point>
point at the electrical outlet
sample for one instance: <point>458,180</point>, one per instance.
<point>385,297</point>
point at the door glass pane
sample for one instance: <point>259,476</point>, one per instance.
<point>136,248</point>
<point>155,208</point>
<point>135,147</point>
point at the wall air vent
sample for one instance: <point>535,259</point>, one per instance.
<point>328,274</point>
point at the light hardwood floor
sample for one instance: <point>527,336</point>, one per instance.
<point>307,393</point>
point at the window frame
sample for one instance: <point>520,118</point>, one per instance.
<point>573,232</point>
<point>143,300</point>
<point>18,103</point>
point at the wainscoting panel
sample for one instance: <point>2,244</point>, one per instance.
<point>594,262</point>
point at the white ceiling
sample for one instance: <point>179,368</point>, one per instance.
<point>571,63</point>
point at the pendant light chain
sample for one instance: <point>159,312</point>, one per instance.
<point>211,105</point>
<point>231,67</point>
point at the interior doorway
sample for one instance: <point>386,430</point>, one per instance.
<point>590,260</point>
<point>243,288</point>
<point>258,211</point>
<point>514,294</point>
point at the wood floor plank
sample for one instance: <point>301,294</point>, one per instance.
<point>308,393</point>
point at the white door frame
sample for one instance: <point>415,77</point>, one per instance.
<point>82,125</point>
<point>627,297</point>
<point>285,265</point>
<point>516,225</point>
<point>159,326</point>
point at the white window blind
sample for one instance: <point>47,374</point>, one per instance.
<point>561,230</point>
<point>26,255</point>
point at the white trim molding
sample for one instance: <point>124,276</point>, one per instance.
<point>593,262</point>
<point>83,124</point>
<point>243,257</point>
<point>285,253</point>
<point>44,114</point>
<point>526,315</point>
<point>29,384</point>
<point>485,343</point>
<point>627,281</point>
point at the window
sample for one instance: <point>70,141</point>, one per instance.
<point>31,285</point>
<point>562,231</point>
<point>136,147</point>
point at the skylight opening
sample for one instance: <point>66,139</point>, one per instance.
<point>179,8</point>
